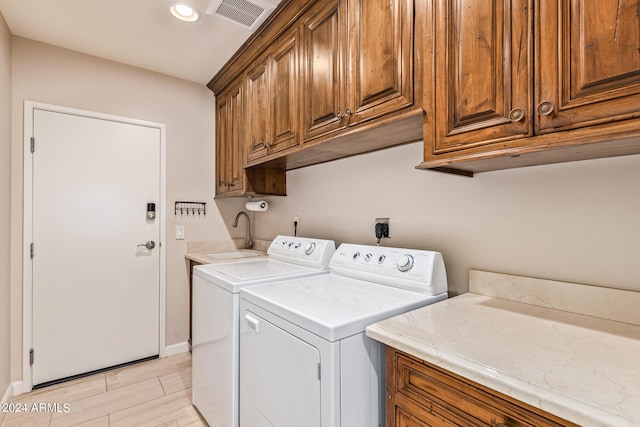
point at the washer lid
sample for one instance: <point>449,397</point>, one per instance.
<point>334,307</point>
<point>234,275</point>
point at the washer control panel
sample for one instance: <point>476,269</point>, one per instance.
<point>302,250</point>
<point>412,269</point>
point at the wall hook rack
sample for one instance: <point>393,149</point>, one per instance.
<point>190,208</point>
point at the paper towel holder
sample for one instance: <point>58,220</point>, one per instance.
<point>257,206</point>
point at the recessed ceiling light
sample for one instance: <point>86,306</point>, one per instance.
<point>184,12</point>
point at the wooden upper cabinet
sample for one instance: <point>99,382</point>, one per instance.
<point>285,90</point>
<point>482,71</point>
<point>358,62</point>
<point>526,82</point>
<point>272,99</point>
<point>257,111</point>
<point>232,179</point>
<point>229,142</point>
<point>324,32</point>
<point>588,63</point>
<point>381,57</point>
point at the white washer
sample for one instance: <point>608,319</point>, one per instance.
<point>216,302</point>
<point>304,357</point>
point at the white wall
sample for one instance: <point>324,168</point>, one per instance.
<point>52,75</point>
<point>576,221</point>
<point>5,200</point>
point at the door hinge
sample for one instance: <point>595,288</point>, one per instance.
<point>33,144</point>
<point>31,357</point>
<point>31,250</point>
<point>319,371</point>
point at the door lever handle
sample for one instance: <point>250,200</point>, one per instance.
<point>149,245</point>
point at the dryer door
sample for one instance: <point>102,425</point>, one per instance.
<point>279,384</point>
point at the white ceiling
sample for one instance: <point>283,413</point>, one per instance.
<point>141,33</point>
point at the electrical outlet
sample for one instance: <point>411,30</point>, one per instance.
<point>384,227</point>
<point>296,224</point>
<point>179,232</point>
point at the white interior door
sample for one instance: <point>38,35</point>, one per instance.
<point>95,292</point>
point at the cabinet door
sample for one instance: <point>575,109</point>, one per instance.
<point>324,33</point>
<point>229,172</point>
<point>222,134</point>
<point>285,93</point>
<point>381,57</point>
<point>482,72</point>
<point>257,118</point>
<point>588,63</point>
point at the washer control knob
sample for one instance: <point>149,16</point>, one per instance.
<point>297,245</point>
<point>405,262</point>
<point>381,259</point>
<point>309,248</point>
<point>356,255</point>
<point>367,257</point>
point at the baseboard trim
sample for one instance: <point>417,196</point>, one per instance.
<point>5,398</point>
<point>173,349</point>
<point>13,389</point>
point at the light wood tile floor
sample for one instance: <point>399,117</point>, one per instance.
<point>154,393</point>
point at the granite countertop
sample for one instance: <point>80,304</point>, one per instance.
<point>568,362</point>
<point>197,250</point>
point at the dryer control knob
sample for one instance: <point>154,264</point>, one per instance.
<point>309,248</point>
<point>405,262</point>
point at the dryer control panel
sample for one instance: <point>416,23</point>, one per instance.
<point>412,269</point>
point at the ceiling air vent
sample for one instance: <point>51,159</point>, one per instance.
<point>249,14</point>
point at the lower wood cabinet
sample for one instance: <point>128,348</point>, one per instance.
<point>420,394</point>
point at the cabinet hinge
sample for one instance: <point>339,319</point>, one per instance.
<point>33,144</point>
<point>31,250</point>
<point>31,357</point>
<point>319,371</point>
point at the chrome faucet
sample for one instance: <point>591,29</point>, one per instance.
<point>248,243</point>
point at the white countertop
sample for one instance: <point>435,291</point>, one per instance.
<point>582,368</point>
<point>199,251</point>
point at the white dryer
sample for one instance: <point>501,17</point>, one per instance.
<point>216,303</point>
<point>304,357</point>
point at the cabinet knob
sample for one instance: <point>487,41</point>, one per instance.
<point>516,115</point>
<point>545,108</point>
<point>348,112</point>
<point>339,116</point>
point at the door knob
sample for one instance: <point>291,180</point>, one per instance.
<point>149,245</point>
